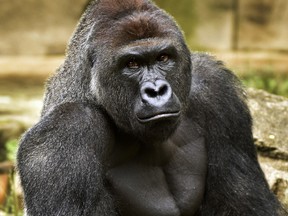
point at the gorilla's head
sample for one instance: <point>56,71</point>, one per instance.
<point>141,72</point>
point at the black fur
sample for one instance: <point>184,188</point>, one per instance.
<point>79,159</point>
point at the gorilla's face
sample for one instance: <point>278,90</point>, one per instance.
<point>144,86</point>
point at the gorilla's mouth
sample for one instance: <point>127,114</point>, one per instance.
<point>158,117</point>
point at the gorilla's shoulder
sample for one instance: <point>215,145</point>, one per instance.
<point>70,116</point>
<point>69,124</point>
<point>74,112</point>
<point>208,65</point>
<point>212,73</point>
<point>214,85</point>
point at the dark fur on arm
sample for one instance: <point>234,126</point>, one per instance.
<point>235,183</point>
<point>59,162</point>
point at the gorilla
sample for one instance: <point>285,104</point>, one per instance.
<point>134,124</point>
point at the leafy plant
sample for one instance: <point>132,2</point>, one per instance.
<point>267,80</point>
<point>11,149</point>
<point>12,203</point>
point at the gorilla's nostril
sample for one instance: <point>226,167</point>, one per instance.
<point>151,92</point>
<point>163,90</point>
<point>154,91</point>
<point>156,94</point>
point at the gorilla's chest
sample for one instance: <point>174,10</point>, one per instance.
<point>170,183</point>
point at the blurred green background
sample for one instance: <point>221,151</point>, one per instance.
<point>250,36</point>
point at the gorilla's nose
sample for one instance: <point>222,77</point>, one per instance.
<point>157,93</point>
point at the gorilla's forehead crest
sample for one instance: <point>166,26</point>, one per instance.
<point>140,26</point>
<point>116,7</point>
<point>130,20</point>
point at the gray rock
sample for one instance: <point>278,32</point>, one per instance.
<point>270,118</point>
<point>277,176</point>
<point>270,131</point>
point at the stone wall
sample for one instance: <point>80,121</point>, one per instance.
<point>43,27</point>
<point>37,27</point>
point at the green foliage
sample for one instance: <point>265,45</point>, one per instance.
<point>11,149</point>
<point>268,81</point>
<point>11,206</point>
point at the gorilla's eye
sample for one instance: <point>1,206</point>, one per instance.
<point>163,58</point>
<point>133,64</point>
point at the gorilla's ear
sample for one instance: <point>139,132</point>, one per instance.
<point>72,79</point>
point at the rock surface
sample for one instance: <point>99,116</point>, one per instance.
<point>270,131</point>
<point>270,114</point>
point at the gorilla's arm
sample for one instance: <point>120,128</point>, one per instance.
<point>59,163</point>
<point>235,184</point>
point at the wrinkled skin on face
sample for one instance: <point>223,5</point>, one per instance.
<point>150,73</point>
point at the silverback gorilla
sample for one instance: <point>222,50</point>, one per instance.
<point>134,124</point>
